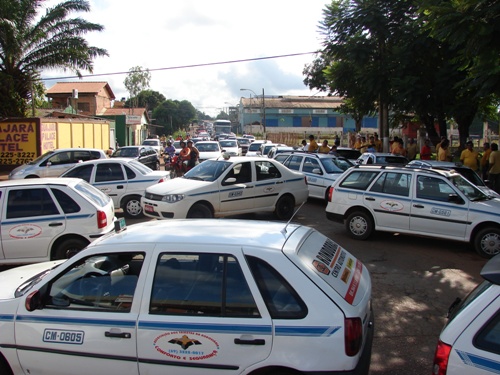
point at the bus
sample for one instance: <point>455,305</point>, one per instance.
<point>222,127</point>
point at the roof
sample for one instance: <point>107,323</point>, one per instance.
<point>313,102</point>
<point>235,232</point>
<point>125,111</point>
<point>40,181</point>
<point>82,87</point>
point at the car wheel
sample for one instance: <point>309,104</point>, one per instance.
<point>132,207</point>
<point>284,207</point>
<point>68,248</point>
<point>199,211</point>
<point>487,242</point>
<point>157,165</point>
<point>359,224</point>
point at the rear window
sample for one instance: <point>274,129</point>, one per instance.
<point>92,194</point>
<point>459,305</point>
<point>359,180</point>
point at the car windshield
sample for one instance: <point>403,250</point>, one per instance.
<point>470,190</point>
<point>144,169</point>
<point>126,152</point>
<point>40,158</point>
<point>207,147</point>
<point>209,170</point>
<point>335,165</point>
<point>228,144</point>
<point>254,146</point>
<point>151,142</point>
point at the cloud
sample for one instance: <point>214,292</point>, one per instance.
<point>166,34</point>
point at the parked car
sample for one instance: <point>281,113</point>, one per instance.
<point>155,143</point>
<point>249,136</point>
<point>188,297</point>
<point>146,155</point>
<point>439,204</point>
<point>50,218</point>
<point>208,150</point>
<point>267,147</point>
<point>275,150</point>
<point>244,144</point>
<point>321,170</point>
<point>222,187</point>
<point>54,163</point>
<point>467,172</point>
<point>231,147</point>
<point>349,153</point>
<point>469,343</point>
<point>254,148</point>
<point>381,158</point>
<point>124,180</point>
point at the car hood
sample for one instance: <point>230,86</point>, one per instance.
<point>11,279</point>
<point>159,174</point>
<point>178,185</point>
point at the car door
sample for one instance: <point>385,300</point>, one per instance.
<point>87,321</point>
<point>30,215</point>
<point>237,189</point>
<point>389,199</point>
<point>202,315</point>
<point>315,177</point>
<point>110,179</point>
<point>476,349</point>
<point>269,184</point>
<point>433,213</point>
<point>57,164</point>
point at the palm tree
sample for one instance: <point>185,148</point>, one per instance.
<point>30,42</point>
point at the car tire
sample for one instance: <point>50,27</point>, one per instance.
<point>284,207</point>
<point>487,242</point>
<point>157,165</point>
<point>132,208</point>
<point>199,211</point>
<point>69,247</point>
<point>359,224</point>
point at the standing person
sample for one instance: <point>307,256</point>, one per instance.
<point>444,153</point>
<point>337,141</point>
<point>372,147</point>
<point>395,144</point>
<point>494,172</point>
<point>485,160</point>
<point>194,154</point>
<point>399,148</point>
<point>183,159</point>
<point>411,149</point>
<point>440,143</point>
<point>378,143</point>
<point>313,146</point>
<point>469,157</point>
<point>324,148</point>
<point>357,144</point>
<point>425,152</point>
<point>364,145</point>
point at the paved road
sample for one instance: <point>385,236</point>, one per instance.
<point>414,282</point>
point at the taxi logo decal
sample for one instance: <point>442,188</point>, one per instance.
<point>268,189</point>
<point>186,346</point>
<point>390,205</point>
<point>24,231</point>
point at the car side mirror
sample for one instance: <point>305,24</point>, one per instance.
<point>33,301</point>
<point>316,171</point>
<point>49,163</point>
<point>455,198</point>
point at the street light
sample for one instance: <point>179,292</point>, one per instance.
<point>262,111</point>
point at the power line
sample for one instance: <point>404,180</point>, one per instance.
<point>185,66</point>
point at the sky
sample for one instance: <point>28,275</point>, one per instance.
<point>161,35</point>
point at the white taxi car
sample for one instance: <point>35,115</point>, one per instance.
<point>224,187</point>
<point>470,341</point>
<point>208,150</point>
<point>433,203</point>
<point>50,218</point>
<point>185,297</point>
<point>123,179</point>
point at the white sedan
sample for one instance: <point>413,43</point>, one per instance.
<point>231,147</point>
<point>191,297</point>
<point>123,179</point>
<point>221,187</point>
<point>208,150</point>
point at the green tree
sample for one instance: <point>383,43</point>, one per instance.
<point>136,81</point>
<point>30,43</point>
<point>148,99</point>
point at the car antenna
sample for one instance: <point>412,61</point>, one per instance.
<point>283,231</point>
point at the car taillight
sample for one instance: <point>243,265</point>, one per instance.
<point>102,219</point>
<point>330,193</point>
<point>441,356</point>
<point>353,336</point>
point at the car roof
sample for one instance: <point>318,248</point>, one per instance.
<point>67,181</point>
<point>236,232</point>
<point>445,173</point>
<point>312,154</point>
<point>210,142</point>
<point>110,160</point>
<point>77,149</point>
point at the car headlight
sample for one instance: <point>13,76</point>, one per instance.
<point>19,172</point>
<point>172,198</point>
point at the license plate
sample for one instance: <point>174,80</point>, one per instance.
<point>148,208</point>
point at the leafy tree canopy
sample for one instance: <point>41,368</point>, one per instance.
<point>31,42</point>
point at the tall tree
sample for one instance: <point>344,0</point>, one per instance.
<point>30,43</point>
<point>149,99</point>
<point>136,81</point>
